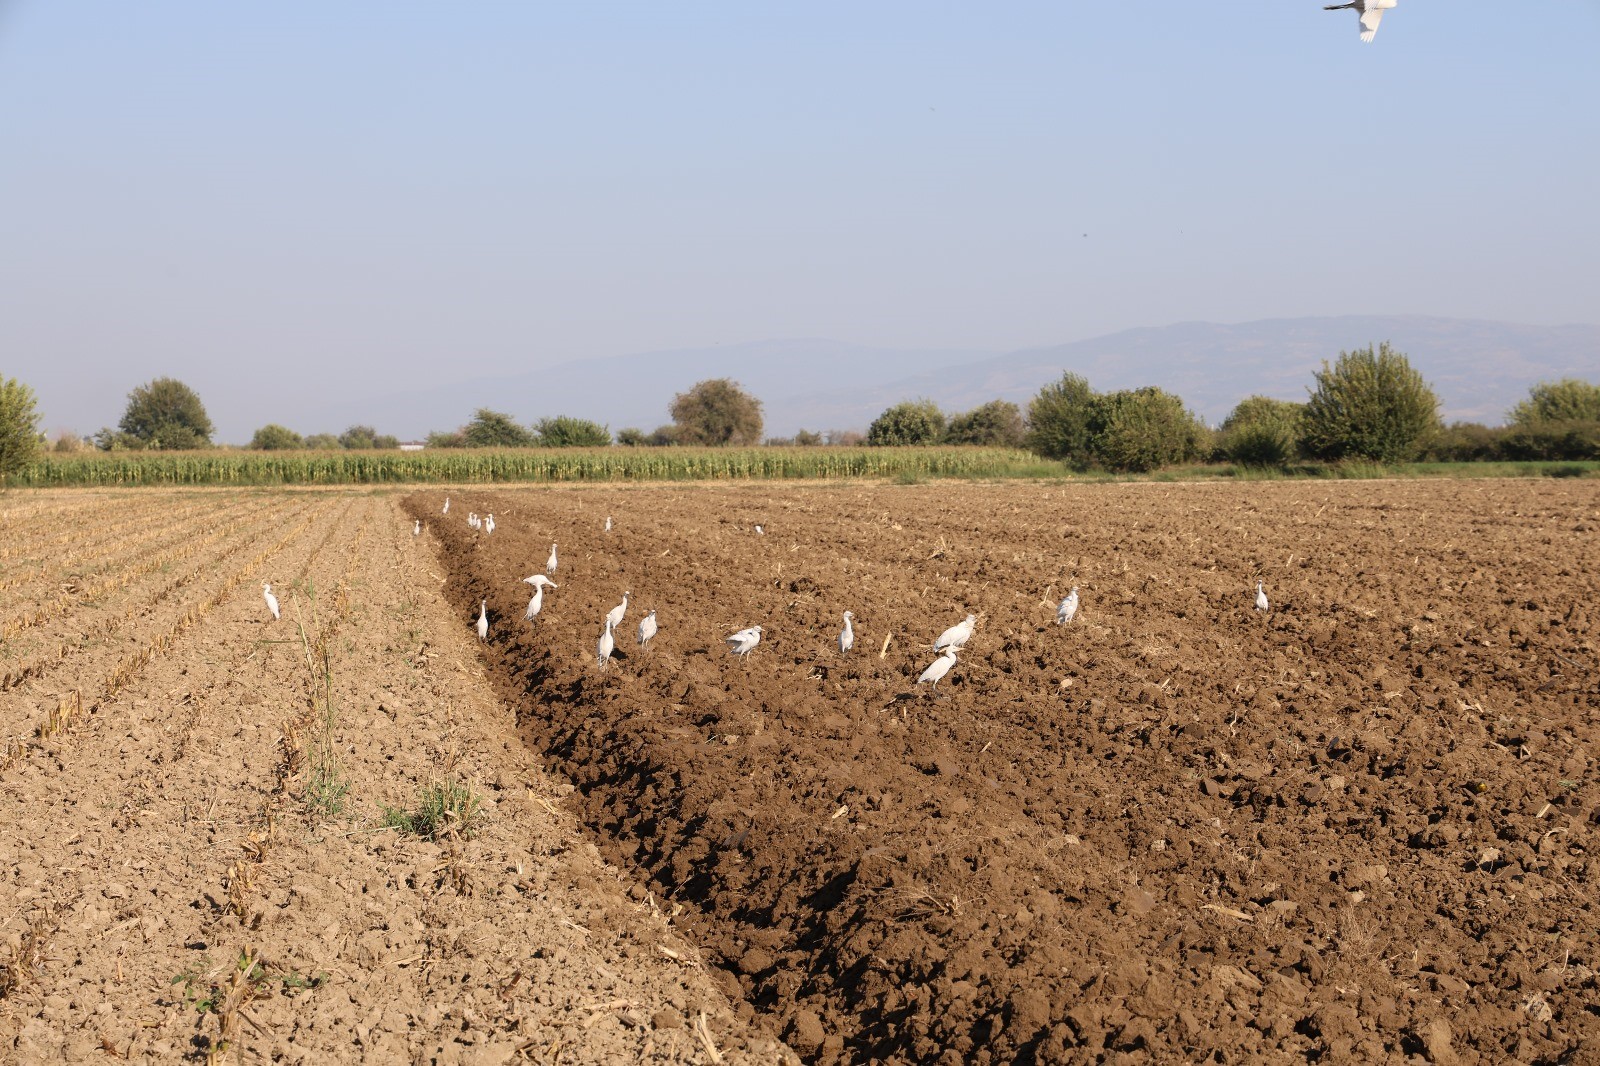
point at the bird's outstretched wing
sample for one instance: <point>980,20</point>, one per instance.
<point>1369,23</point>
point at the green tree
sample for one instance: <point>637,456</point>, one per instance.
<point>491,429</point>
<point>908,422</point>
<point>167,414</point>
<point>1262,432</point>
<point>565,432</point>
<point>322,442</point>
<point>441,439</point>
<point>1138,430</point>
<point>1058,420</point>
<point>1567,400</point>
<point>1371,404</point>
<point>997,423</point>
<point>363,438</point>
<point>275,438</point>
<point>19,427</point>
<point>632,437</point>
<point>717,411</point>
<point>663,436</point>
<point>805,438</point>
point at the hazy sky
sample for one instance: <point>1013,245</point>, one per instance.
<point>279,201</point>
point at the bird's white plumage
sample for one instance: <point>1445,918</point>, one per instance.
<point>416,529</point>
<point>446,509</point>
<point>272,601</point>
<point>608,644</point>
<point>939,668</point>
<point>488,524</point>
<point>614,616</point>
<point>550,564</point>
<point>847,635</point>
<point>647,628</point>
<point>761,531</point>
<point>957,635</point>
<point>536,604</point>
<point>608,523</point>
<point>1371,12</point>
<point>483,620</point>
<point>1068,608</point>
<point>540,579</point>
<point>1261,598</point>
<point>741,642</point>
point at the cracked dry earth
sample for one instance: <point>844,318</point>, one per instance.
<point>1358,827</point>
<point>194,860</point>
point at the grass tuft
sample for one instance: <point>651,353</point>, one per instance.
<point>444,808</point>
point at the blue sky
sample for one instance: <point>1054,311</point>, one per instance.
<point>276,201</point>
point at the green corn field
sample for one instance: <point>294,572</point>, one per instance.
<point>466,466</point>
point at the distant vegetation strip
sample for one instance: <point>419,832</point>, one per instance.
<point>525,464</point>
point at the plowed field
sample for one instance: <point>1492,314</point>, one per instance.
<point>1360,826</point>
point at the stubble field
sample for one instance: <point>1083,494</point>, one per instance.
<point>1358,827</point>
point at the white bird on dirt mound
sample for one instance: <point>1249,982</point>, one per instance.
<point>488,525</point>
<point>539,579</point>
<point>608,644</point>
<point>483,620</point>
<point>647,629</point>
<point>761,531</point>
<point>550,564</point>
<point>744,640</point>
<point>614,616</point>
<point>473,520</point>
<point>1261,598</point>
<point>536,604</point>
<point>446,506</point>
<point>940,667</point>
<point>608,523</point>
<point>272,601</point>
<point>847,635</point>
<point>957,635</point>
<point>1371,12</point>
<point>416,529</point>
<point>1068,608</point>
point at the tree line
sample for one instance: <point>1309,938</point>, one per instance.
<point>1370,404</point>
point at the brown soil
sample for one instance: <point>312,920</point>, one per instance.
<point>1358,827</point>
<point>167,888</point>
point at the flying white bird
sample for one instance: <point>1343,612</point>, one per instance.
<point>550,564</point>
<point>446,506</point>
<point>741,642</point>
<point>483,620</point>
<point>272,601</point>
<point>1371,12</point>
<point>957,635</point>
<point>536,604</point>
<point>416,530</point>
<point>647,628</point>
<point>1068,608</point>
<point>539,579</point>
<point>940,667</point>
<point>847,635</point>
<point>608,523</point>
<point>607,645</point>
<point>488,525</point>
<point>1261,598</point>
<point>614,616</point>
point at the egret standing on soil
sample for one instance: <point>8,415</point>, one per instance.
<point>847,635</point>
<point>488,526</point>
<point>550,564</point>
<point>446,506</point>
<point>741,642</point>
<point>957,635</point>
<point>647,629</point>
<point>272,601</point>
<point>940,667</point>
<point>537,603</point>
<point>1068,608</point>
<point>614,616</point>
<point>483,620</point>
<point>608,523</point>
<point>416,530</point>
<point>1261,598</point>
<point>607,645</point>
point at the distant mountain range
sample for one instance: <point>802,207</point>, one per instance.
<point>1478,368</point>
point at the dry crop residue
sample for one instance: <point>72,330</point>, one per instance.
<point>1359,826</point>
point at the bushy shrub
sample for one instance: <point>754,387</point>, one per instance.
<point>716,412</point>
<point>322,442</point>
<point>1138,430</point>
<point>19,426</point>
<point>1059,418</point>
<point>1371,405</point>
<point>1261,431</point>
<point>491,429</point>
<point>1464,442</point>
<point>273,437</point>
<point>997,423</point>
<point>1567,400</point>
<point>1574,440</point>
<point>565,432</point>
<point>910,422</point>
<point>165,414</point>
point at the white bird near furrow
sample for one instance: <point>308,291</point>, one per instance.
<point>446,506</point>
<point>272,601</point>
<point>536,604</point>
<point>473,520</point>
<point>847,635</point>
<point>539,579</point>
<point>1068,609</point>
<point>647,629</point>
<point>608,523</point>
<point>940,667</point>
<point>416,529</point>
<point>1261,598</point>
<point>488,525</point>
<point>608,644</point>
<point>550,564</point>
<point>614,616</point>
<point>483,620</point>
<point>957,635</point>
<point>744,640</point>
<point>1371,12</point>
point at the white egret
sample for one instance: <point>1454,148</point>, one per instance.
<point>940,667</point>
<point>416,529</point>
<point>488,525</point>
<point>1261,598</point>
<point>607,645</point>
<point>483,620</point>
<point>536,604</point>
<point>550,564</point>
<point>614,616</point>
<point>446,506</point>
<point>957,635</point>
<point>608,523</point>
<point>1371,12</point>
<point>761,531</point>
<point>1068,608</point>
<point>539,579</point>
<point>847,636</point>
<point>647,628</point>
<point>272,601</point>
<point>741,642</point>
<point>472,520</point>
